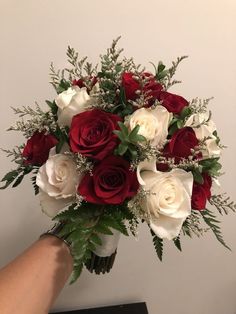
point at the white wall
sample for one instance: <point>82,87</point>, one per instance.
<point>201,280</point>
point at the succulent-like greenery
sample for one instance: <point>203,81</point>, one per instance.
<point>129,140</point>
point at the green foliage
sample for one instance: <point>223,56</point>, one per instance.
<point>62,136</point>
<point>35,186</point>
<point>160,71</point>
<point>9,178</point>
<point>212,166</point>
<point>185,113</point>
<point>197,176</point>
<point>122,108</point>
<point>82,226</point>
<point>212,222</point>
<point>165,75</point>
<point>15,177</point>
<point>63,86</point>
<point>158,245</point>
<point>52,106</point>
<point>110,74</point>
<point>223,203</point>
<point>186,228</point>
<point>129,140</point>
<point>178,120</point>
<point>177,243</point>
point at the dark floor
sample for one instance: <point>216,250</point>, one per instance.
<point>135,308</point>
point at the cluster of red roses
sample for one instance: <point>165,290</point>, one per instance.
<point>91,134</point>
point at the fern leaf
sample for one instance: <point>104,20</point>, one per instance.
<point>158,244</point>
<point>210,220</point>
<point>177,243</point>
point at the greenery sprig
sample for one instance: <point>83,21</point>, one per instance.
<point>223,203</point>
<point>129,140</point>
<point>82,226</point>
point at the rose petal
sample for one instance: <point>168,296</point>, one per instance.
<point>51,206</point>
<point>166,227</point>
<point>145,166</point>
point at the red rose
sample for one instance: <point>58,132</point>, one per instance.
<point>130,85</point>
<point>91,133</point>
<point>152,88</point>
<point>181,144</point>
<point>37,148</point>
<point>81,84</point>
<point>173,103</point>
<point>201,193</point>
<point>112,182</point>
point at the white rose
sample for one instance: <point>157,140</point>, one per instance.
<point>153,123</point>
<point>203,130</point>
<point>58,181</point>
<point>169,199</point>
<point>71,102</point>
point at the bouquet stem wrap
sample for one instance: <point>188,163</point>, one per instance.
<point>102,259</point>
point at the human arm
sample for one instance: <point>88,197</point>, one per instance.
<point>31,282</point>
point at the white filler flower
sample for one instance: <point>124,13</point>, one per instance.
<point>168,200</point>
<point>153,123</point>
<point>58,181</point>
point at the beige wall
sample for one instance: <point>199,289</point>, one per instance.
<point>201,280</point>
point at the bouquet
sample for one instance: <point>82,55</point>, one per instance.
<point>115,149</point>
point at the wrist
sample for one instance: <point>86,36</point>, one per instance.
<point>55,237</point>
<point>52,245</point>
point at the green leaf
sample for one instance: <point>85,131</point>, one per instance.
<point>9,178</point>
<point>134,133</point>
<point>18,180</point>
<point>177,243</point>
<point>95,239</point>
<point>35,186</point>
<point>122,95</point>
<point>180,124</point>
<point>76,273</point>
<point>120,135</point>
<point>91,246</point>
<point>68,214</point>
<point>59,145</point>
<point>158,244</point>
<point>63,86</point>
<point>187,111</point>
<point>103,229</point>
<point>123,128</point>
<point>211,221</point>
<point>133,153</point>
<point>127,111</point>
<point>139,138</point>
<point>207,163</point>
<point>53,106</point>
<point>114,223</point>
<point>162,74</point>
<point>173,128</point>
<point>10,175</point>
<point>197,176</point>
<point>122,148</point>
<point>214,171</point>
<point>160,67</point>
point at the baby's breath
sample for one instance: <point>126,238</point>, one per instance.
<point>39,121</point>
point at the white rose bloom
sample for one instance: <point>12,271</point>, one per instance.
<point>58,181</point>
<point>71,102</point>
<point>153,123</point>
<point>203,130</point>
<point>169,201</point>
